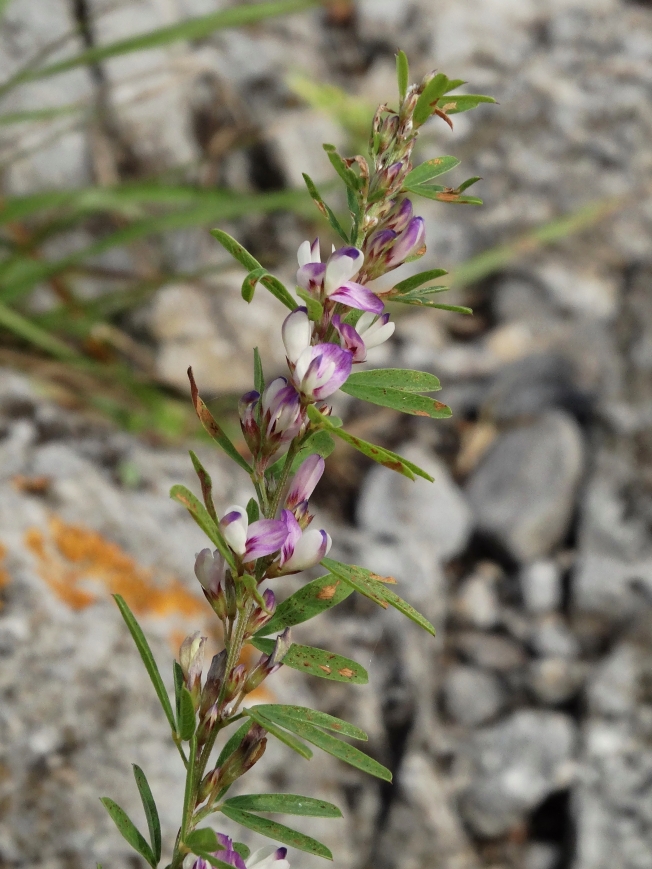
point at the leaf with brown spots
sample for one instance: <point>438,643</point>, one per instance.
<point>317,662</point>
<point>309,601</point>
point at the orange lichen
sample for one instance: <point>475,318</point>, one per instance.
<point>74,558</point>
<point>5,578</point>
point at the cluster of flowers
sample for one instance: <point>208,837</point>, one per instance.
<point>265,858</point>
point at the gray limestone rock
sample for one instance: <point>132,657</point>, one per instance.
<point>516,764</point>
<point>524,490</point>
<point>472,696</point>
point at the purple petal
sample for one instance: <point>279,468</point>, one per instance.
<point>310,276</point>
<point>305,480</point>
<point>380,242</point>
<point>343,264</point>
<point>264,537</point>
<point>293,535</point>
<point>351,340</point>
<point>400,217</point>
<point>309,550</point>
<point>409,242</point>
<point>356,296</point>
<point>322,369</point>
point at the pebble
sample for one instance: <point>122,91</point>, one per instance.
<point>472,696</point>
<point>541,586</point>
<point>524,490</point>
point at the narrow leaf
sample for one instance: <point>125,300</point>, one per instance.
<point>186,715</point>
<point>370,586</point>
<point>282,735</point>
<point>128,830</point>
<point>383,456</point>
<point>311,716</point>
<point>423,302</point>
<point>287,804</point>
<point>179,681</point>
<point>151,812</point>
<point>200,514</point>
<point>253,510</point>
<point>249,283</point>
<point>443,194</point>
<point>237,251</point>
<point>206,485</point>
<point>148,659</point>
<point>415,281</point>
<point>402,74</point>
<point>309,601</point>
<point>278,832</point>
<point>347,175</point>
<point>278,290</point>
<point>204,840</point>
<point>259,377</point>
<point>318,662</point>
<point>315,308</point>
<point>213,429</point>
<point>430,169</point>
<point>324,208</point>
<point>243,850</point>
<point>426,103</point>
<point>399,399</point>
<point>457,103</point>
<point>396,378</point>
<point>330,744</point>
<point>469,182</point>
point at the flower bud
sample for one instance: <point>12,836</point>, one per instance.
<point>408,243</point>
<point>260,616</point>
<point>213,683</point>
<point>297,333</point>
<point>304,481</point>
<point>249,752</point>
<point>191,659</point>
<point>247,411</point>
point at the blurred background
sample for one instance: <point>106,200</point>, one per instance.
<point>521,738</point>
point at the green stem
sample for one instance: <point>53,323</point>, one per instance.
<point>285,473</point>
<point>189,794</point>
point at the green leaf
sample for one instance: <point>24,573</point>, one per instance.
<point>285,804</point>
<point>454,83</point>
<point>148,659</point>
<point>421,298</point>
<point>190,29</point>
<point>204,840</point>
<point>128,830</point>
<point>443,194</point>
<point>309,601</point>
<point>24,328</point>
<point>243,850</point>
<point>370,586</point>
<point>206,485</point>
<point>237,251</point>
<point>430,169</point>
<point>469,182</point>
<point>354,209</point>
<point>319,442</point>
<point>315,308</point>
<point>278,290</point>
<point>249,283</point>
<point>317,662</point>
<point>282,735</point>
<point>324,208</point>
<point>425,106</point>
<point>187,721</point>
<point>415,281</point>
<point>212,427</point>
<point>253,510</point>
<point>396,378</point>
<point>402,74</point>
<point>457,103</point>
<point>313,717</point>
<point>201,516</point>
<point>333,746</point>
<point>278,832</point>
<point>151,812</point>
<point>233,742</point>
<point>347,175</point>
<point>399,399</point>
<point>179,682</point>
<point>383,456</point>
<point>259,377</point>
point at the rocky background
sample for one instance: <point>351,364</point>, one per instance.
<point>521,736</point>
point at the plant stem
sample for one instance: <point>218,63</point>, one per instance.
<point>285,473</point>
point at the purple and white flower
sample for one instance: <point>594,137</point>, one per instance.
<point>302,549</point>
<point>334,279</point>
<point>321,370</point>
<point>191,661</point>
<point>282,413</point>
<point>209,570</point>
<point>370,331</point>
<point>304,481</point>
<point>297,333</point>
<point>251,541</point>
<point>264,858</point>
<point>408,243</point>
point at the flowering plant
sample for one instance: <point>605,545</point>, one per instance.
<point>289,429</point>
